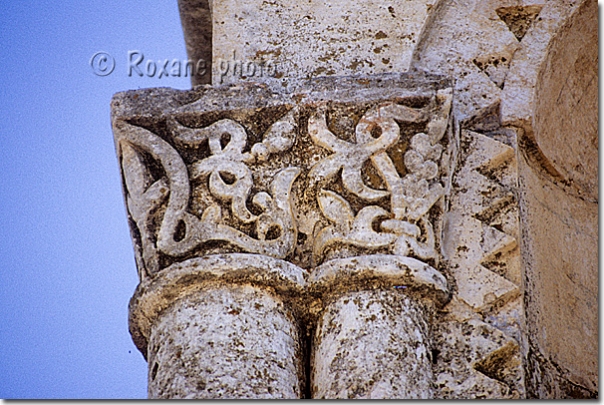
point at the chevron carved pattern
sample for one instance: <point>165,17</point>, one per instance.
<point>483,322</point>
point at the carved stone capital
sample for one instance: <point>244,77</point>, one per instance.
<point>299,201</point>
<point>338,168</point>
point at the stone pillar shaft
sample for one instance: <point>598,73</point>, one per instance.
<point>225,342</point>
<point>372,345</point>
<point>258,214</point>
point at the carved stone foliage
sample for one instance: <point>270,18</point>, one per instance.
<point>317,175</point>
<point>166,207</point>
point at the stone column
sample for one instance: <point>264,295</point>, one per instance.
<point>217,327</point>
<point>372,345</point>
<point>229,342</point>
<point>314,187</point>
<point>225,342</point>
<point>237,195</point>
<point>373,338</point>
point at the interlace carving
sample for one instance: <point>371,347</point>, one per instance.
<point>408,231</point>
<point>237,197</point>
<point>229,180</point>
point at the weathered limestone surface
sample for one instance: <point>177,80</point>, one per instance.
<point>565,123</point>
<point>304,39</point>
<point>468,41</point>
<point>493,49</point>
<point>372,345</point>
<point>481,229</point>
<point>373,336</point>
<point>560,269</point>
<point>154,295</point>
<point>196,20</point>
<point>225,342</point>
<point>236,194</point>
<point>559,184</point>
<point>302,176</point>
<point>518,96</point>
<point>538,82</point>
<point>484,364</point>
<point>481,245</point>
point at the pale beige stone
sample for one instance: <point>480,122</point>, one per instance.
<point>476,361</point>
<point>482,289</point>
<point>481,230</point>
<point>467,40</point>
<point>518,98</point>
<point>225,342</point>
<point>558,173</point>
<point>372,345</point>
<point>359,166</point>
<point>562,280</point>
<point>389,270</point>
<point>156,294</point>
<point>259,177</point>
<point>303,39</point>
<point>365,183</point>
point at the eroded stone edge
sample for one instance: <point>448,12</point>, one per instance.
<point>380,271</point>
<point>153,296</point>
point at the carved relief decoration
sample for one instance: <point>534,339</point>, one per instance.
<point>313,182</point>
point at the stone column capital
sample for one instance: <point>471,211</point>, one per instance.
<point>285,205</point>
<point>339,168</point>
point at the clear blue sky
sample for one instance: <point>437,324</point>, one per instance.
<point>66,261</point>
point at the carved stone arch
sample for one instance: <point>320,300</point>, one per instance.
<point>556,114</point>
<point>565,116</point>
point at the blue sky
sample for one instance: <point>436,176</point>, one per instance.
<point>66,261</point>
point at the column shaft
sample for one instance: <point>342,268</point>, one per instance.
<point>225,342</point>
<point>372,345</point>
